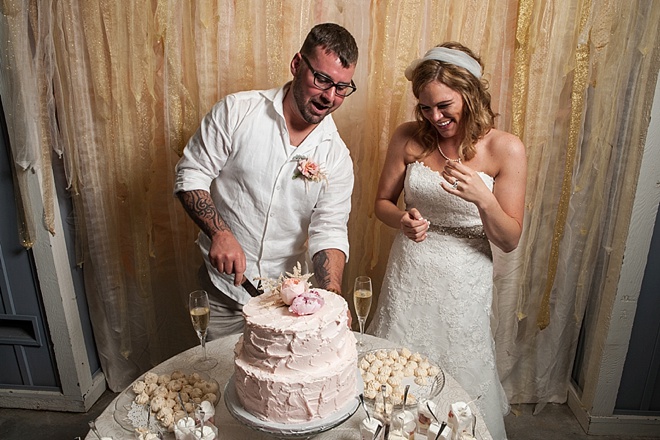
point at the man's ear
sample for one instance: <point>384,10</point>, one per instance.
<point>295,63</point>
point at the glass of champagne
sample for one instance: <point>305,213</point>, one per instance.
<point>362,293</point>
<point>200,312</point>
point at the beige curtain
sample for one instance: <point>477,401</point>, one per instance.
<point>116,88</point>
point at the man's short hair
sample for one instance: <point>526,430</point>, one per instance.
<point>334,39</point>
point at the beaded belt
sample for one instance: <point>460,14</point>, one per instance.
<point>459,231</point>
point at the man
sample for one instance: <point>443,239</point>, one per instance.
<point>268,179</point>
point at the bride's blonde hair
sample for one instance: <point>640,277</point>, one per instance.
<point>477,118</point>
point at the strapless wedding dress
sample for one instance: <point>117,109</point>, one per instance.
<point>436,296</point>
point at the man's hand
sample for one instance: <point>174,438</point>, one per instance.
<point>226,255</point>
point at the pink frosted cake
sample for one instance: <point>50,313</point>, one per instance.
<point>294,369</point>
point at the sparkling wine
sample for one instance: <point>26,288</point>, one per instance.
<point>200,318</point>
<point>362,299</point>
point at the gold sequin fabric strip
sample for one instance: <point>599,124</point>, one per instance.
<point>460,231</point>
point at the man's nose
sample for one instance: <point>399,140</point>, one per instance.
<point>329,94</point>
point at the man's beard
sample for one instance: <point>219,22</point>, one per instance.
<point>304,105</point>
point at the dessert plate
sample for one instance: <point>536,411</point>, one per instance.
<point>131,415</point>
<point>427,389</point>
<point>287,430</point>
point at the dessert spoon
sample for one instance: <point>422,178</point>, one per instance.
<point>473,400</point>
<point>364,406</point>
<point>92,426</point>
<point>378,429</point>
<point>149,417</point>
<point>431,411</point>
<point>442,428</point>
<point>386,417</point>
<point>474,420</point>
<point>182,405</point>
<point>405,396</point>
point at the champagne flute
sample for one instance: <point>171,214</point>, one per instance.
<point>200,312</point>
<point>362,299</point>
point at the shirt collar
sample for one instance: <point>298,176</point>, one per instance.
<point>323,131</point>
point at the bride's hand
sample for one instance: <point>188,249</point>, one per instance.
<point>464,182</point>
<point>414,226</point>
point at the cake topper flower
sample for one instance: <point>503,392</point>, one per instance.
<point>308,170</point>
<point>291,288</point>
<point>307,303</point>
<point>288,289</point>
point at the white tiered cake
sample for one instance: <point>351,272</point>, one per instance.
<point>294,369</point>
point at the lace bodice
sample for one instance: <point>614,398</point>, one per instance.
<point>422,190</point>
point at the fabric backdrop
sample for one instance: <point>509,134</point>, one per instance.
<point>115,88</point>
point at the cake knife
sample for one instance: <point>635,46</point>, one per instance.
<point>249,287</point>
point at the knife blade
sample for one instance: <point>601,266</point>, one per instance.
<point>249,287</point>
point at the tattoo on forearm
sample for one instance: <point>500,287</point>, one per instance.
<point>200,207</point>
<point>321,269</point>
<point>328,269</point>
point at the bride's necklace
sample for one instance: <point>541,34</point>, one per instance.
<point>442,153</point>
<point>445,156</point>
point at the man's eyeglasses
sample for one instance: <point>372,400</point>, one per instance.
<point>324,82</point>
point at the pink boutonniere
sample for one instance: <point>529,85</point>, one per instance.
<point>308,170</point>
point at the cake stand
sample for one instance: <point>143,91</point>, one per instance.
<point>287,430</point>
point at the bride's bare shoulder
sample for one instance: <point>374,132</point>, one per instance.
<point>405,141</point>
<point>502,145</point>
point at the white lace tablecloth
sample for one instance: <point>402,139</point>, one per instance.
<point>230,429</point>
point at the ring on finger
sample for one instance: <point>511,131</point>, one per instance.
<point>455,184</point>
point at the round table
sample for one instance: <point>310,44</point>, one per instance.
<point>229,428</point>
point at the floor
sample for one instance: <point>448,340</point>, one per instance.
<point>553,422</point>
<point>23,424</point>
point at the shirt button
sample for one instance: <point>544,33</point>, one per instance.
<point>278,187</point>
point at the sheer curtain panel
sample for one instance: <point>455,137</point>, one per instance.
<point>115,89</point>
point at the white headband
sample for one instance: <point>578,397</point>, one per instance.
<point>446,55</point>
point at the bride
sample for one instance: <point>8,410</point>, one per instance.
<point>464,190</point>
